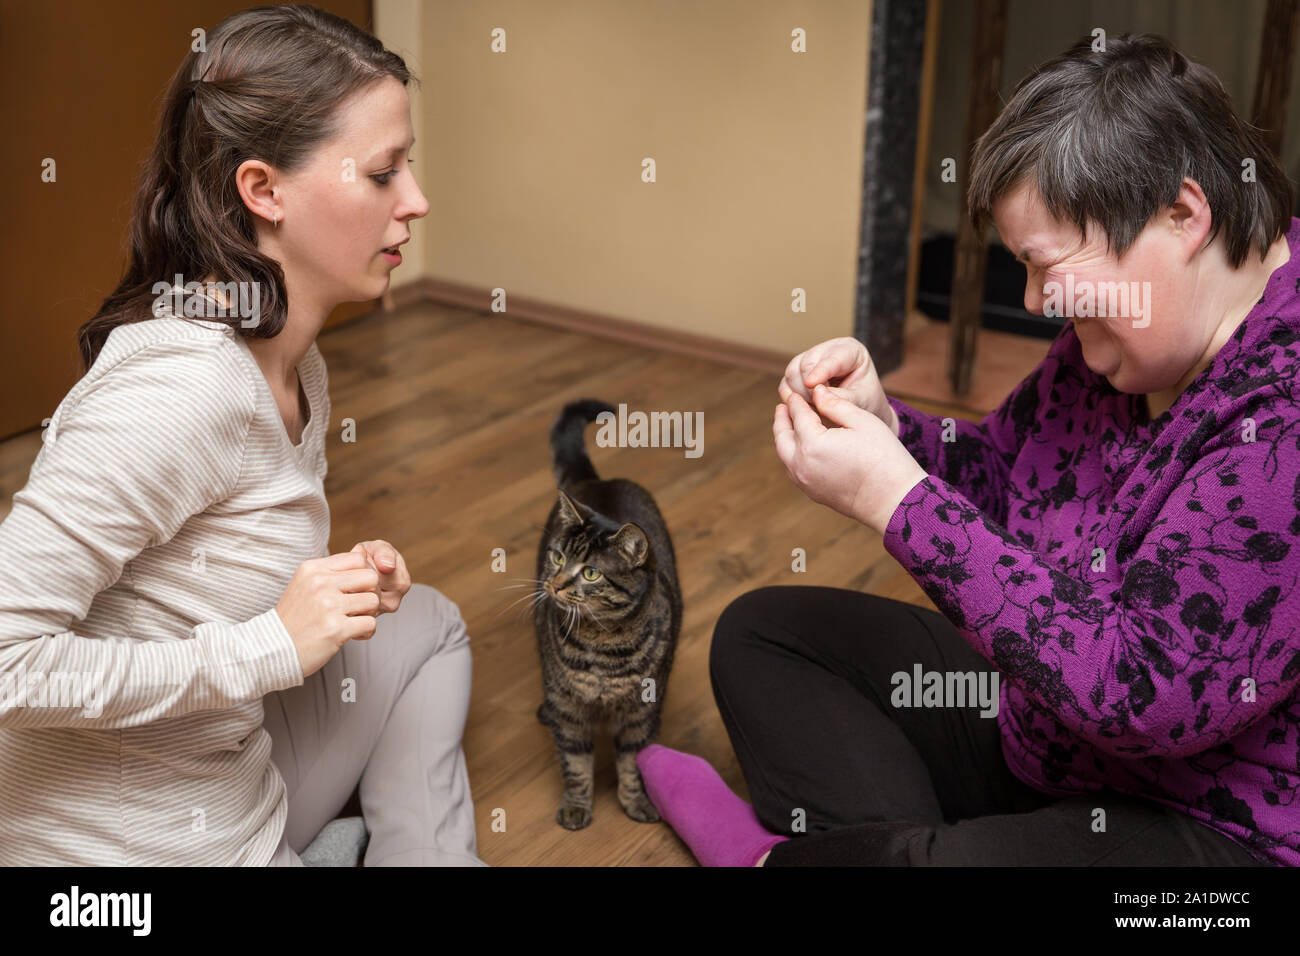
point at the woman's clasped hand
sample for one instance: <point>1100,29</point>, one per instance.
<point>857,465</point>
<point>336,599</point>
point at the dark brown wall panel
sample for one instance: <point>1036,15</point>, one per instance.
<point>80,82</point>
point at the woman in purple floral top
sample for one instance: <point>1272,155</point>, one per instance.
<point>1119,540</point>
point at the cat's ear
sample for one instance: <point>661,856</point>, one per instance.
<point>569,513</point>
<point>632,544</point>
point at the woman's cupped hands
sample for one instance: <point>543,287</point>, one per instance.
<point>837,441</point>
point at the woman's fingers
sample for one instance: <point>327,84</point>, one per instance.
<point>781,420</point>
<point>361,602</point>
<point>364,627</point>
<point>807,423</point>
<point>386,562</point>
<point>835,362</point>
<point>792,383</point>
<point>783,436</point>
<point>361,579</point>
<point>820,365</point>
<point>345,560</point>
<point>820,374</point>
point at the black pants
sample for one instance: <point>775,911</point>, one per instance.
<point>802,677</point>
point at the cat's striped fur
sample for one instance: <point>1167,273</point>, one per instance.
<point>607,654</point>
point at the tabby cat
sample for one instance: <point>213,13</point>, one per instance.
<point>607,619</point>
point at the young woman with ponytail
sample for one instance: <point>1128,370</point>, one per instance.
<point>223,682</point>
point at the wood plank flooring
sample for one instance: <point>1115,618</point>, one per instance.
<point>452,412</point>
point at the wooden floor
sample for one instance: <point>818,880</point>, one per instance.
<point>451,460</point>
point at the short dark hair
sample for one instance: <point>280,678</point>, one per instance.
<point>1109,136</point>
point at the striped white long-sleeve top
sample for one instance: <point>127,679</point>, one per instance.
<point>140,567</point>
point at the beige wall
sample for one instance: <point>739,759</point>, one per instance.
<point>531,159</point>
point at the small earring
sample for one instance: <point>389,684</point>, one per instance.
<point>277,221</point>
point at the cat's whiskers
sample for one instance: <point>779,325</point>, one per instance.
<point>534,595</point>
<point>537,598</point>
<point>592,615</point>
<point>525,583</point>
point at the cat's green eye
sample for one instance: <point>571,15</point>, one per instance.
<point>590,573</point>
<point>556,557</point>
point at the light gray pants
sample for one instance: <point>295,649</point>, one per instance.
<point>400,737</point>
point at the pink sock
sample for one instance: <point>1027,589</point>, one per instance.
<point>720,828</point>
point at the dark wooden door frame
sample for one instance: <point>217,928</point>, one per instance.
<point>888,171</point>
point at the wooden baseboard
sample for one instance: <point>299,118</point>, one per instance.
<point>1007,357</point>
<point>408,293</point>
<point>477,299</point>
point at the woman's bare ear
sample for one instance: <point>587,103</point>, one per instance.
<point>1190,217</point>
<point>256,183</point>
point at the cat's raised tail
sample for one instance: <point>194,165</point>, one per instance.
<point>568,451</point>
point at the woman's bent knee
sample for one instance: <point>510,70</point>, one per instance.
<point>440,628</point>
<point>735,623</point>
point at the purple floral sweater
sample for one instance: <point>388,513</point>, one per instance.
<point>1136,583</point>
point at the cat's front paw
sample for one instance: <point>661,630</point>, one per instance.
<point>573,816</point>
<point>639,808</point>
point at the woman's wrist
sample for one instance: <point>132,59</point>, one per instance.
<point>889,416</point>
<point>879,509</point>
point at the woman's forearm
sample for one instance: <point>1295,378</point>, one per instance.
<point>70,680</point>
<point>1120,665</point>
